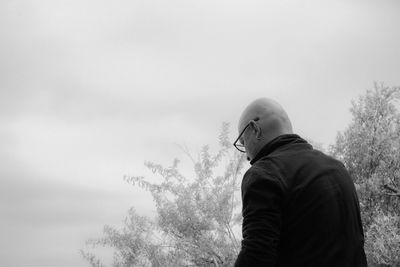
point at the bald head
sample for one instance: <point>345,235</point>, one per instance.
<point>271,120</point>
<point>271,116</point>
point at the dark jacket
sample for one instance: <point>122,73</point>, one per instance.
<point>300,208</point>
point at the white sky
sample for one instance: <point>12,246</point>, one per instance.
<point>89,90</point>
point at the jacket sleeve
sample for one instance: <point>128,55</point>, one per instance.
<point>262,196</point>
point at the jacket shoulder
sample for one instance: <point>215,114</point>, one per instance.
<point>264,170</point>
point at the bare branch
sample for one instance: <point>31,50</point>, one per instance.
<point>185,150</point>
<point>396,192</point>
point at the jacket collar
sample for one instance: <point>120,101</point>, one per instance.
<point>276,143</point>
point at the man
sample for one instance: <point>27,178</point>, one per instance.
<point>300,206</point>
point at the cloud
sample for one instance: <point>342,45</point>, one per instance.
<point>50,219</point>
<point>93,60</point>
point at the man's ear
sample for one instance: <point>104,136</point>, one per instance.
<point>257,130</point>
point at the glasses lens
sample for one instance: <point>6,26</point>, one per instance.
<point>240,147</point>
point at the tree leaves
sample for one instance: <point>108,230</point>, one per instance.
<point>196,215</point>
<point>370,149</point>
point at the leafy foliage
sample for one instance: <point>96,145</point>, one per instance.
<point>383,237</point>
<point>370,149</point>
<point>131,243</point>
<point>196,217</point>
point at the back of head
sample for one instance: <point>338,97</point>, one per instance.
<point>272,118</point>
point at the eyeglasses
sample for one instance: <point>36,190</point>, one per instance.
<point>240,146</point>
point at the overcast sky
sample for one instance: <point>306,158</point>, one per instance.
<point>89,90</point>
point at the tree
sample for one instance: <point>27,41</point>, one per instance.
<point>370,149</point>
<point>196,217</point>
